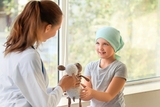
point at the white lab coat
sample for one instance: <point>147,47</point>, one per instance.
<point>22,83</point>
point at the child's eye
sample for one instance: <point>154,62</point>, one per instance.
<point>97,43</point>
<point>106,44</point>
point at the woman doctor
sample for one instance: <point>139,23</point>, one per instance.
<point>23,79</point>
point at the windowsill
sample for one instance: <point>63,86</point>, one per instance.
<point>130,88</point>
<point>142,86</point>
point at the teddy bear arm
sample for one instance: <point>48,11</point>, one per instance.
<point>61,67</point>
<point>84,78</point>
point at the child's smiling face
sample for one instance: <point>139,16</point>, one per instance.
<point>104,49</point>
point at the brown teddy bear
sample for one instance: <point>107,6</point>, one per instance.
<point>73,93</point>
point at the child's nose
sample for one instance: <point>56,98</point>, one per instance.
<point>100,47</point>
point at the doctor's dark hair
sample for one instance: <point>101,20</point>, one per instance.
<point>26,28</point>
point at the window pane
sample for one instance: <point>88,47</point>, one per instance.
<point>138,22</point>
<point>9,9</point>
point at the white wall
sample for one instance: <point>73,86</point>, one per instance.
<point>144,99</point>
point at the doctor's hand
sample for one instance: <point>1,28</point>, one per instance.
<point>67,82</point>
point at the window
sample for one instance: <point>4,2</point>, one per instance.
<point>138,22</point>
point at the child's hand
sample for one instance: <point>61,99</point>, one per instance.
<point>86,93</point>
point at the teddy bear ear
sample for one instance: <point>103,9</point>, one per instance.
<point>61,67</point>
<point>79,66</point>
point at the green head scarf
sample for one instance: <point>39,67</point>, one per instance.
<point>111,35</point>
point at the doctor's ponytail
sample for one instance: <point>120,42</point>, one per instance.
<point>25,30</point>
